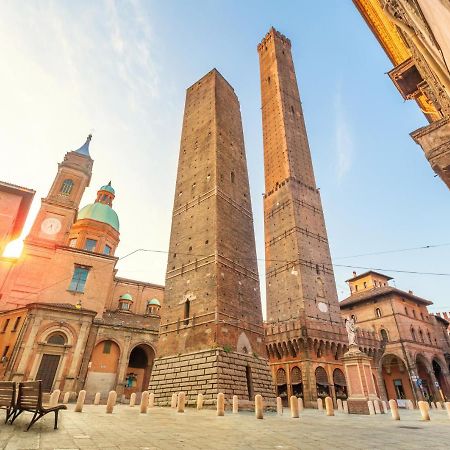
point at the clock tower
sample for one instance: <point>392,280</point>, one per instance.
<point>58,210</point>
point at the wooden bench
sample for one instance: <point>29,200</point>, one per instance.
<point>30,399</point>
<point>7,397</point>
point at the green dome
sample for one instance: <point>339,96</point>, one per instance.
<point>101,213</point>
<point>126,297</point>
<point>108,188</point>
<point>153,301</point>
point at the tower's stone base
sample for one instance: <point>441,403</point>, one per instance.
<point>209,372</point>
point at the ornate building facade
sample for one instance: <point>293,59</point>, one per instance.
<point>65,317</point>
<point>415,362</point>
<point>414,35</point>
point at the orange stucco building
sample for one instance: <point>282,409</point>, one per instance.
<point>415,362</point>
<point>65,317</point>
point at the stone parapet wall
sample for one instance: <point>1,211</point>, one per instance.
<point>210,372</point>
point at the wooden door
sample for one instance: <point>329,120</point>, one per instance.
<point>47,371</point>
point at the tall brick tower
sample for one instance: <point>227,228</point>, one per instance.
<point>305,336</point>
<point>211,333</point>
<point>299,274</point>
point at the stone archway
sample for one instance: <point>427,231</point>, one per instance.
<point>426,381</point>
<point>440,378</point>
<point>396,378</point>
<point>140,365</point>
<point>103,366</point>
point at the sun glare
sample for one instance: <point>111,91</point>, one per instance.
<point>14,249</point>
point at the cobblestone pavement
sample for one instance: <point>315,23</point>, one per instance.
<point>164,428</point>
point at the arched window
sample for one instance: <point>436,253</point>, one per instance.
<point>353,317</point>
<point>384,335</point>
<point>296,381</point>
<point>281,377</point>
<point>187,308</point>
<point>66,187</point>
<point>406,311</point>
<point>414,313</point>
<point>429,337</point>
<point>232,177</point>
<point>56,339</point>
<point>421,335</point>
<point>378,312</point>
<point>413,334</point>
<point>322,384</point>
<point>340,384</point>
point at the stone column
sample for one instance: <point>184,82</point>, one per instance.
<point>123,364</point>
<point>360,384</point>
<point>28,347</point>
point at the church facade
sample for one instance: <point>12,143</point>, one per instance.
<point>65,316</point>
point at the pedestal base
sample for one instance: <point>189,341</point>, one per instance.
<point>209,372</point>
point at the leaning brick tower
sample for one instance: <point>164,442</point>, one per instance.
<point>211,333</point>
<point>305,336</point>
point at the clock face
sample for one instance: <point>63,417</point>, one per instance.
<point>323,307</point>
<point>51,225</point>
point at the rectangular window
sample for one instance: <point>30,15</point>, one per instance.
<point>107,347</point>
<point>16,323</point>
<point>90,245</point>
<point>5,325</point>
<point>5,351</point>
<point>73,242</point>
<point>79,279</point>
<point>107,250</point>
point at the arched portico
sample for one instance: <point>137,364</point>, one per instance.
<point>140,364</point>
<point>396,378</point>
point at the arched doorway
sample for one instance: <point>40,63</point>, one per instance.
<point>139,369</point>
<point>322,384</point>
<point>102,375</point>
<point>282,390</point>
<point>54,351</point>
<point>297,382</point>
<point>340,384</point>
<point>396,378</point>
<point>440,378</point>
<point>425,381</point>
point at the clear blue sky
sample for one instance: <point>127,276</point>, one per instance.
<point>121,70</point>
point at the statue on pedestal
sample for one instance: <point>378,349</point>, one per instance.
<point>351,331</point>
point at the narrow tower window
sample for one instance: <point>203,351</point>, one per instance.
<point>187,307</point>
<point>232,177</point>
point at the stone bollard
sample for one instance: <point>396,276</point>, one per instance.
<point>97,398</point>
<point>300,405</point>
<point>439,405</point>
<point>371,408</point>
<point>220,404</point>
<point>433,405</point>
<point>132,399</point>
<point>294,407</point>
<point>384,406</point>
<point>66,398</point>
<point>259,407</point>
<point>423,410</point>
<point>329,406</point>
<point>144,402</point>
<point>181,402</point>
<point>410,405</point>
<point>199,401</point>
<point>235,404</point>
<point>394,410</point>
<point>447,407</point>
<point>339,404</point>
<point>279,406</point>
<point>80,401</point>
<point>112,397</point>
<point>319,404</point>
<point>377,406</point>
<point>173,402</point>
<point>151,400</point>
<point>54,397</point>
<point>345,406</point>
